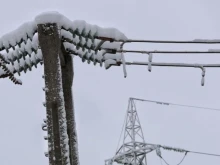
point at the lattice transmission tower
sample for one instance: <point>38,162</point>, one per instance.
<point>133,139</point>
<point>133,149</point>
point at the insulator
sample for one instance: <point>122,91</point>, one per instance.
<point>45,89</point>
<point>45,138</point>
<point>46,154</point>
<point>44,127</point>
<point>43,76</point>
<point>44,104</point>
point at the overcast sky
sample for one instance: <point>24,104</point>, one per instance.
<point>101,96</point>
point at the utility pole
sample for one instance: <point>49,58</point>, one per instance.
<point>67,79</point>
<point>58,71</point>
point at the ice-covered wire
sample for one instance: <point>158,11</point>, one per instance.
<point>195,41</point>
<point>169,52</point>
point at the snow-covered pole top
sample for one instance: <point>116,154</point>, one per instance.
<point>28,29</point>
<point>80,26</point>
<point>19,49</point>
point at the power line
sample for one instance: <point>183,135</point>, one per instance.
<point>203,153</point>
<point>196,41</point>
<point>168,52</point>
<point>174,104</point>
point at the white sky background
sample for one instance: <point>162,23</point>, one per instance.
<point>101,96</point>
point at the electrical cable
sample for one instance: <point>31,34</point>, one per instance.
<point>178,163</point>
<point>174,104</point>
<point>203,153</point>
<point>121,133</point>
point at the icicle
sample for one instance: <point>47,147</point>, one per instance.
<point>124,65</point>
<point>150,56</point>
<point>203,77</point>
<point>149,66</point>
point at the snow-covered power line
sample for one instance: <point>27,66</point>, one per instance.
<point>175,104</point>
<point>89,42</point>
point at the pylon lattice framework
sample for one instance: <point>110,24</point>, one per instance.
<point>134,149</point>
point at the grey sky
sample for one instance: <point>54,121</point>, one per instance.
<point>101,96</point>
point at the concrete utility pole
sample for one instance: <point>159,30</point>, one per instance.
<point>58,70</point>
<point>67,78</point>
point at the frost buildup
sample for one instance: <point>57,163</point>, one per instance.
<point>79,37</point>
<point>62,121</point>
<point>82,39</point>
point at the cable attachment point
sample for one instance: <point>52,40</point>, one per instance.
<point>158,152</point>
<point>150,56</point>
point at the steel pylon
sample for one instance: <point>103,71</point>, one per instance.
<point>133,149</point>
